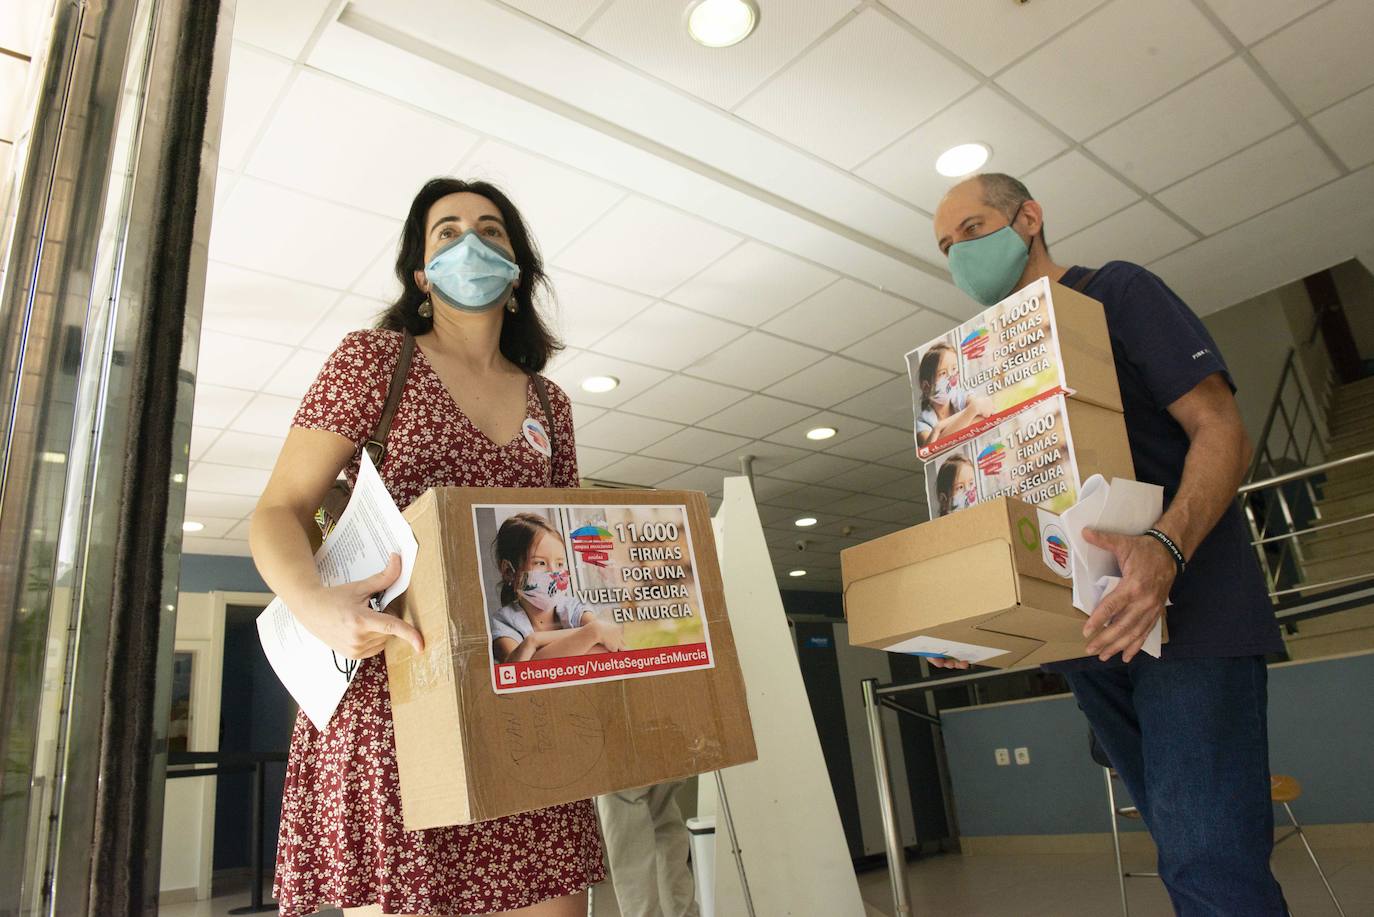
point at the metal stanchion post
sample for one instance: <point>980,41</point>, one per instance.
<point>256,905</point>
<point>735,848</point>
<point>892,832</point>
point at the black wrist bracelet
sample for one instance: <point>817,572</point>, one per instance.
<point>1173,549</point>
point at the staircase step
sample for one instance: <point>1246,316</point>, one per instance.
<point>1351,443</point>
<point>1349,485</point>
<point>1362,387</point>
<point>1340,622</point>
<point>1350,423</point>
<point>1321,645</point>
<point>1357,563</point>
<point>1338,542</point>
<point>1346,507</point>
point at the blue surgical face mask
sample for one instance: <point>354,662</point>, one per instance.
<point>471,274</point>
<point>988,267</point>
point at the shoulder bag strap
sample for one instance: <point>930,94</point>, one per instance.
<point>542,391</point>
<point>1083,281</point>
<point>393,401</point>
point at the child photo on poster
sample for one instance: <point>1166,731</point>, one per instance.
<point>583,593</point>
<point>942,405</point>
<point>955,482</point>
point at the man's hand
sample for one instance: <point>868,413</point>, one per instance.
<point>1121,621</point>
<point>946,662</point>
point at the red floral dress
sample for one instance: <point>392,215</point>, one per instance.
<point>342,843</point>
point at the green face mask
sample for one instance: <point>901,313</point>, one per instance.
<point>988,267</point>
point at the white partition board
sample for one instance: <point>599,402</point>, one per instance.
<point>783,805</point>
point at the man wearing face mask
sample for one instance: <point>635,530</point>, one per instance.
<point>1186,732</point>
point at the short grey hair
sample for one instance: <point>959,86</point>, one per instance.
<point>1006,194</point>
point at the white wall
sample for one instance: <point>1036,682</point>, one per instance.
<point>1355,283</point>
<point>1254,338</point>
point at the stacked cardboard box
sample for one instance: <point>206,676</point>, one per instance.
<point>1014,409</point>
<point>648,690</point>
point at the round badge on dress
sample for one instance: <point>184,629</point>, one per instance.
<point>536,437</point>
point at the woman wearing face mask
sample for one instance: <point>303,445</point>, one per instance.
<point>955,485</point>
<point>539,617</point>
<point>470,414</point>
<point>945,408</point>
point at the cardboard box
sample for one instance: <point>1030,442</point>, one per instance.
<point>994,577</point>
<point>659,696</point>
<point>1041,455</point>
<point>1043,340</point>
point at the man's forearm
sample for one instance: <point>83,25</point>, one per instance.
<point>1215,466</point>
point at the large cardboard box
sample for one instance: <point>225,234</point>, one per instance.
<point>994,578</point>
<point>648,690</point>
<point>1042,340</point>
<point>1041,455</point>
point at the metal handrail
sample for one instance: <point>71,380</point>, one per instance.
<point>1301,473</point>
<point>1301,453</point>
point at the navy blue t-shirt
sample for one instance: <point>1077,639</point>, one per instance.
<point>1221,605</point>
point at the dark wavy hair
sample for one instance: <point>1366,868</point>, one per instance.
<point>525,340</point>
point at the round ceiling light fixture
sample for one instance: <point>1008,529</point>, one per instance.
<point>805,522</point>
<point>821,433</point>
<point>797,573</point>
<point>598,385</point>
<point>962,159</point>
<point>193,526</point>
<point>721,23</point>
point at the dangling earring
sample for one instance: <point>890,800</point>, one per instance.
<point>512,306</point>
<point>426,309</point>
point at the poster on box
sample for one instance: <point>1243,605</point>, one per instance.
<point>588,593</point>
<point>987,369</point>
<point>1029,457</point>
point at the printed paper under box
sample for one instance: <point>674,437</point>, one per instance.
<point>576,643</point>
<point>1041,455</point>
<point>1042,340</point>
<point>989,585</point>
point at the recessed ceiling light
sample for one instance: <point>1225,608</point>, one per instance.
<point>805,521</point>
<point>821,433</point>
<point>797,573</point>
<point>721,23</point>
<point>192,526</point>
<point>962,159</point>
<point>599,384</point>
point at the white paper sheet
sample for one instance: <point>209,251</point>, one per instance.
<point>360,545</point>
<point>930,646</point>
<point>1124,508</point>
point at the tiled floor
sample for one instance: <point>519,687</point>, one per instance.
<point>1048,885</point>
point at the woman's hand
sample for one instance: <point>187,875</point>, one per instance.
<point>945,662</point>
<point>341,617</point>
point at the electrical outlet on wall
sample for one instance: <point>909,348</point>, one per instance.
<point>1003,757</point>
<point>1023,755</point>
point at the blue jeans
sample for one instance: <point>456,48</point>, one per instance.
<point>1190,739</point>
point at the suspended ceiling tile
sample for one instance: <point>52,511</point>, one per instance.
<point>889,403</point>
<point>590,460</point>
<point>839,315</point>
<point>828,382</point>
<point>646,246</point>
<point>216,406</point>
<point>1324,57</point>
<point>1114,61</point>
<point>220,547</point>
<point>246,450</point>
<point>876,443</point>
<point>696,445</point>
<point>829,105</point>
<point>556,202</point>
<point>296,374</point>
<point>1349,127</point>
<point>1282,167</point>
<point>752,284</point>
<point>272,229</point>
<point>1189,129</point>
<point>567,15</point>
<point>816,468</point>
<point>624,432</point>
<point>352,313</point>
<point>225,506</point>
<point>256,305</point>
<point>378,280</point>
<point>202,438</point>
<point>1076,192</point>
<point>754,361</point>
<point>255,81</point>
<point>1252,20</point>
<point>585,310</point>
<point>669,336</point>
<point>757,416</point>
<point>684,399</point>
<point>888,347</point>
<point>847,429</point>
<point>1018,143</point>
<point>238,362</point>
<point>282,28</point>
<point>379,169</point>
<point>1141,233</point>
<point>990,34</point>
<point>642,471</point>
<point>635,379</point>
<point>707,480</point>
<point>266,415</point>
<point>653,38</point>
<point>227,479</point>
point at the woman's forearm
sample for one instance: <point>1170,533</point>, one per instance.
<point>281,551</point>
<point>576,642</point>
